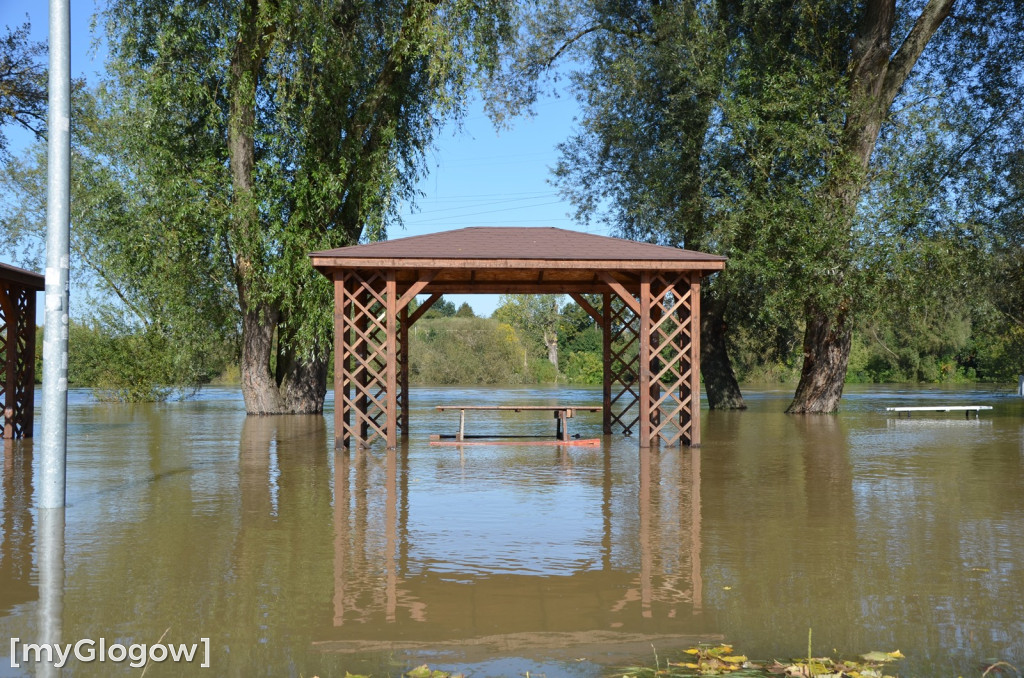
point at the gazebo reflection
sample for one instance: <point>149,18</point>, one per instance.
<point>643,577</point>
<point>17,529</point>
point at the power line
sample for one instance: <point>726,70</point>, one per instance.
<point>473,214</point>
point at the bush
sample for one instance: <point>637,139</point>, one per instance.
<point>465,351</point>
<point>133,364</point>
<point>584,368</point>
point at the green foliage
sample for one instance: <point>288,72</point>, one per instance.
<point>537,318</point>
<point>136,277</point>
<point>466,351</point>
<point>133,364</point>
<point>442,308</point>
<point>22,83</point>
<point>584,368</point>
<point>266,130</point>
<point>744,129</point>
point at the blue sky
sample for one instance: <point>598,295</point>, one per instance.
<point>477,176</point>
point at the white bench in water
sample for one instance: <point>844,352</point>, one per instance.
<point>967,409</point>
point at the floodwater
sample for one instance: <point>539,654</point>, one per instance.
<point>190,521</point>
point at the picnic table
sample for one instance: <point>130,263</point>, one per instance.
<point>562,415</point>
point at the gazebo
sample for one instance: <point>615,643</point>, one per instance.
<point>18,289</point>
<point>649,314</point>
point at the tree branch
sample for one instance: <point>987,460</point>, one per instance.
<point>932,16</point>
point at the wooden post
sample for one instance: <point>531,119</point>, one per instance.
<point>342,370</point>
<point>657,288</point>
<point>391,358</point>
<point>28,327</point>
<point>10,325</point>
<point>645,360</point>
<point>403,376</point>
<point>694,361</point>
<point>606,356</point>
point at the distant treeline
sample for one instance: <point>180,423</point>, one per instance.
<point>531,340</point>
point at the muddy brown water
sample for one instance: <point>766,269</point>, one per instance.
<point>189,520</point>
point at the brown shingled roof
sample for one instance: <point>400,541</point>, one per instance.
<point>512,243</point>
<point>21,277</point>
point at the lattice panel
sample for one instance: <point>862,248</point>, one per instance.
<point>362,327</point>
<point>671,369</point>
<point>623,365</point>
<point>6,332</point>
<point>18,351</point>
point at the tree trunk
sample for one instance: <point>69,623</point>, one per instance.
<point>299,385</point>
<point>303,381</point>
<point>720,385</point>
<point>826,355</point>
<point>551,343</point>
<point>260,319</point>
<point>259,388</point>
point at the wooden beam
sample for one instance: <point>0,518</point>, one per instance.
<point>585,305</point>
<point>623,293</point>
<point>423,308</point>
<point>415,289</point>
<point>516,287</point>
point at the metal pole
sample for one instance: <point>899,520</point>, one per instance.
<point>58,255</point>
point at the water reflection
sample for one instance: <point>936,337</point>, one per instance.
<point>193,520</point>
<point>17,530</point>
<point>641,574</point>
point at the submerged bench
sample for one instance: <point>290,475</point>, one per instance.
<point>966,409</point>
<point>562,414</point>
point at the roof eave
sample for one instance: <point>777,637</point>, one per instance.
<point>22,277</point>
<point>327,263</point>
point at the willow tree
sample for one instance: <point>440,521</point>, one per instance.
<point>750,128</point>
<point>695,133</point>
<point>279,127</point>
<point>956,51</point>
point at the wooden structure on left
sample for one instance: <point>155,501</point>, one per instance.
<point>649,313</point>
<point>18,289</point>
